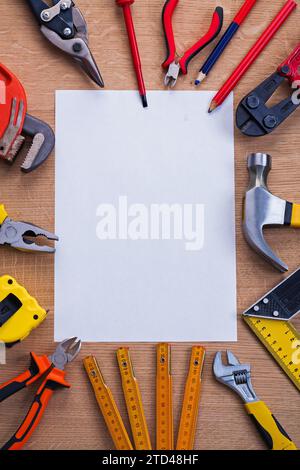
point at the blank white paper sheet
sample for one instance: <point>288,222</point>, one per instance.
<point>145,217</point>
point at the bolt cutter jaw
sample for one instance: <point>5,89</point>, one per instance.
<point>65,352</point>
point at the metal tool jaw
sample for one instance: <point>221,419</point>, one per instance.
<point>254,117</point>
<point>235,375</point>
<point>65,352</point>
<point>65,27</point>
<point>172,75</point>
<point>17,126</point>
<point>21,235</point>
<point>263,209</point>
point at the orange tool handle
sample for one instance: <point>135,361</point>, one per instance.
<point>39,365</point>
<point>54,380</point>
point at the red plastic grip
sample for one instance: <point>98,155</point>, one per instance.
<point>167,14</point>
<point>292,65</point>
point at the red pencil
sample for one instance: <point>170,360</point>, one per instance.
<point>252,55</point>
<point>125,4</point>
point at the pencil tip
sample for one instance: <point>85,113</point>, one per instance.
<point>200,78</point>
<point>197,82</point>
<point>144,101</point>
<point>213,106</point>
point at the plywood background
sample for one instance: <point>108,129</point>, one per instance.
<point>72,420</point>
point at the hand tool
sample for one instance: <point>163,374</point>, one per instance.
<point>64,26</point>
<point>19,312</point>
<point>53,366</point>
<point>164,400</point>
<point>107,405</point>
<point>23,235</point>
<point>238,377</point>
<point>126,6</point>
<point>253,54</point>
<point>133,400</point>
<point>16,125</point>
<point>269,318</point>
<point>173,63</point>
<point>254,117</point>
<point>190,406</point>
<point>225,40</point>
<point>262,209</point>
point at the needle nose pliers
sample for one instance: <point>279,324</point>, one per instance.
<point>65,27</point>
<point>21,235</point>
<point>173,63</point>
<point>54,367</point>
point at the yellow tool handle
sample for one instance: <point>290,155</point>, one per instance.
<point>133,401</point>
<point>3,214</point>
<point>191,399</point>
<point>164,400</point>
<point>107,405</point>
<point>269,428</point>
<point>295,218</point>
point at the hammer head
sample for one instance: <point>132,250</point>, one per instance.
<point>262,208</point>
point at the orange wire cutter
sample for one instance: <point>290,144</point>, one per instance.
<point>55,379</point>
<point>173,63</point>
<point>16,125</point>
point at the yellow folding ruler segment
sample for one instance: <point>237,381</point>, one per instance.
<point>107,405</point>
<point>190,407</point>
<point>133,401</point>
<point>282,340</point>
<point>164,402</point>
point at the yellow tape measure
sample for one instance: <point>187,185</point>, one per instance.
<point>164,401</point>
<point>190,407</point>
<point>107,405</point>
<point>282,340</point>
<point>133,401</point>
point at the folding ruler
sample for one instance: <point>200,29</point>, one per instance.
<point>164,402</point>
<point>190,407</point>
<point>107,405</point>
<point>133,401</point>
<point>269,320</point>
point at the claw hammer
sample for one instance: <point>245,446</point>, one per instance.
<point>262,209</point>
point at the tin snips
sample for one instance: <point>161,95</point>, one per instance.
<point>16,125</point>
<point>64,26</point>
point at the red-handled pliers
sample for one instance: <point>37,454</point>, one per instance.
<point>177,64</point>
<point>55,379</point>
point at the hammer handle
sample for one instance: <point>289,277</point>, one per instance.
<point>269,428</point>
<point>295,216</point>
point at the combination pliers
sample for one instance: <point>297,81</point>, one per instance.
<point>65,27</point>
<point>23,235</point>
<point>53,366</point>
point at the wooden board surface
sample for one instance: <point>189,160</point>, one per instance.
<point>72,420</point>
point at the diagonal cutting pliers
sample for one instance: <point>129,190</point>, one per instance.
<point>173,63</point>
<point>237,376</point>
<point>65,27</point>
<point>22,235</point>
<point>53,366</point>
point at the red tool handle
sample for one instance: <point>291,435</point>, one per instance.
<point>244,11</point>
<point>290,68</point>
<point>10,88</point>
<point>167,14</point>
<point>212,33</point>
<point>39,365</point>
<point>54,380</point>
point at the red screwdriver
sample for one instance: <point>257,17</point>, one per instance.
<point>125,4</point>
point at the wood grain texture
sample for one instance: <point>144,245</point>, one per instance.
<point>72,419</point>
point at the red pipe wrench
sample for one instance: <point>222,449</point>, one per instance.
<point>16,125</point>
<point>177,64</point>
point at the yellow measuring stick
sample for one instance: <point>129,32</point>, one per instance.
<point>189,412</point>
<point>133,401</point>
<point>282,340</point>
<point>164,402</point>
<point>107,405</point>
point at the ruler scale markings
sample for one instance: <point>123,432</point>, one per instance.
<point>190,407</point>
<point>107,405</point>
<point>133,401</point>
<point>164,400</point>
